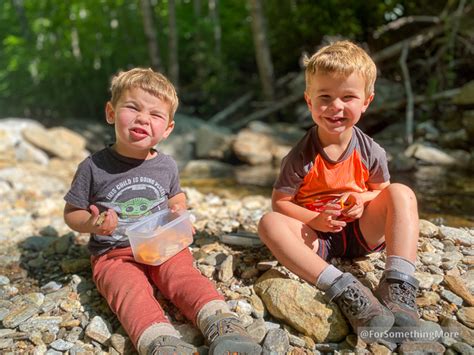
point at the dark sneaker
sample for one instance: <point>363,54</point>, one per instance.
<point>397,291</point>
<point>169,345</point>
<point>359,305</point>
<point>225,335</point>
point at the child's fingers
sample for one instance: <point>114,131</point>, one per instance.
<point>111,221</point>
<point>332,209</point>
<point>108,222</point>
<point>351,211</point>
<point>337,223</point>
<point>176,207</point>
<point>94,211</point>
<point>333,225</point>
<point>113,217</point>
<point>355,211</point>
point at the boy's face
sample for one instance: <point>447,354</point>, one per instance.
<point>141,121</point>
<point>336,102</point>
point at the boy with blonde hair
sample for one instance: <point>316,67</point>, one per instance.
<point>333,198</point>
<point>125,182</point>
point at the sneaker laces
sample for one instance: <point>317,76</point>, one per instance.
<point>353,301</point>
<point>169,345</point>
<point>403,293</point>
<point>224,326</point>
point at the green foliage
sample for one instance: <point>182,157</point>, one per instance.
<point>300,26</point>
<point>57,57</point>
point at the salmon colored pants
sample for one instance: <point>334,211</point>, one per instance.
<point>128,288</point>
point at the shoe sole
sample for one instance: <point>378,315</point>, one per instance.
<point>381,323</point>
<point>405,320</point>
<point>234,345</point>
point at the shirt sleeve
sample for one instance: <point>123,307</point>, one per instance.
<point>80,192</point>
<point>378,165</point>
<point>175,187</point>
<point>291,173</point>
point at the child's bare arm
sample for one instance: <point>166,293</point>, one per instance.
<point>374,190</point>
<point>84,221</point>
<point>177,202</point>
<point>353,203</point>
<point>325,221</point>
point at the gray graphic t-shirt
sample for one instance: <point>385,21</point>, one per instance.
<point>131,187</point>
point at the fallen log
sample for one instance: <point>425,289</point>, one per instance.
<point>395,25</point>
<point>229,110</point>
<point>416,99</point>
<point>289,100</point>
<point>412,42</point>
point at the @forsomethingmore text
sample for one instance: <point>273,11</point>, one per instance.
<point>400,334</point>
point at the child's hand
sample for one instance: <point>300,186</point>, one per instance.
<point>177,207</point>
<point>352,206</point>
<point>328,220</point>
<point>104,223</point>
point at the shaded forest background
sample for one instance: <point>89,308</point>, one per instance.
<point>57,57</point>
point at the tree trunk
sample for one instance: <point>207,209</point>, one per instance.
<point>197,9</point>
<point>216,25</point>
<point>150,33</point>
<point>173,63</point>
<point>262,50</point>
<point>199,55</point>
<point>20,10</point>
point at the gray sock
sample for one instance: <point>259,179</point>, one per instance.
<point>398,263</point>
<point>152,332</point>
<point>209,309</point>
<point>327,277</point>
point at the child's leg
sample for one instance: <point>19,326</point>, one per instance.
<point>295,245</point>
<point>393,216</point>
<point>127,289</point>
<point>200,302</point>
<point>184,285</point>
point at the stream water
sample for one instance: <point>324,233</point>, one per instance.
<point>445,195</point>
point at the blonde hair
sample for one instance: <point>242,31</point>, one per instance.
<point>148,80</point>
<point>342,58</point>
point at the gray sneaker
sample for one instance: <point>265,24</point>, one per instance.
<point>225,335</point>
<point>169,345</point>
<point>359,305</point>
<point>397,291</point>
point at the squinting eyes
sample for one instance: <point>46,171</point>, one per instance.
<point>328,98</point>
<point>155,116</point>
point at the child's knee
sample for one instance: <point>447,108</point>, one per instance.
<point>401,192</point>
<point>266,222</point>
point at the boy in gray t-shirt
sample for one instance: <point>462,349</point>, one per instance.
<point>115,188</point>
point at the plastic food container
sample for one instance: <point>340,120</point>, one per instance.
<point>158,237</point>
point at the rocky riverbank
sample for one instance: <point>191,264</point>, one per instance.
<point>48,303</point>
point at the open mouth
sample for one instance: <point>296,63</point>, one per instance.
<point>335,119</point>
<point>138,133</point>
